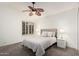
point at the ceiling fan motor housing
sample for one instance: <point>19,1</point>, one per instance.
<point>33,2</point>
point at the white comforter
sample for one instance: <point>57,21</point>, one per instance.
<point>38,44</point>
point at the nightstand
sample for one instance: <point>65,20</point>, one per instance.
<point>61,43</point>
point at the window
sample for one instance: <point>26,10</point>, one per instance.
<point>27,28</point>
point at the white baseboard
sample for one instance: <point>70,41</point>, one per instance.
<point>8,43</point>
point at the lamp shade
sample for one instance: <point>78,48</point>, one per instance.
<point>61,30</point>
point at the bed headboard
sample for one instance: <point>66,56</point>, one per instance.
<point>49,30</point>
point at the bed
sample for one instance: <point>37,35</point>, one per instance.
<point>39,43</point>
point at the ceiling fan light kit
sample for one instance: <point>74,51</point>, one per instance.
<point>33,10</point>
<point>30,14</point>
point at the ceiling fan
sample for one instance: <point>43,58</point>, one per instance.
<point>32,9</point>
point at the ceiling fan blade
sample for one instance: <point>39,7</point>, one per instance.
<point>32,8</point>
<point>26,11</point>
<point>38,13</point>
<point>40,9</point>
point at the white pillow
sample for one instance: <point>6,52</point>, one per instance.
<point>51,34</point>
<point>44,34</point>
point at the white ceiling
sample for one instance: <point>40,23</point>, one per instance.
<point>57,7</point>
<point>49,7</point>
